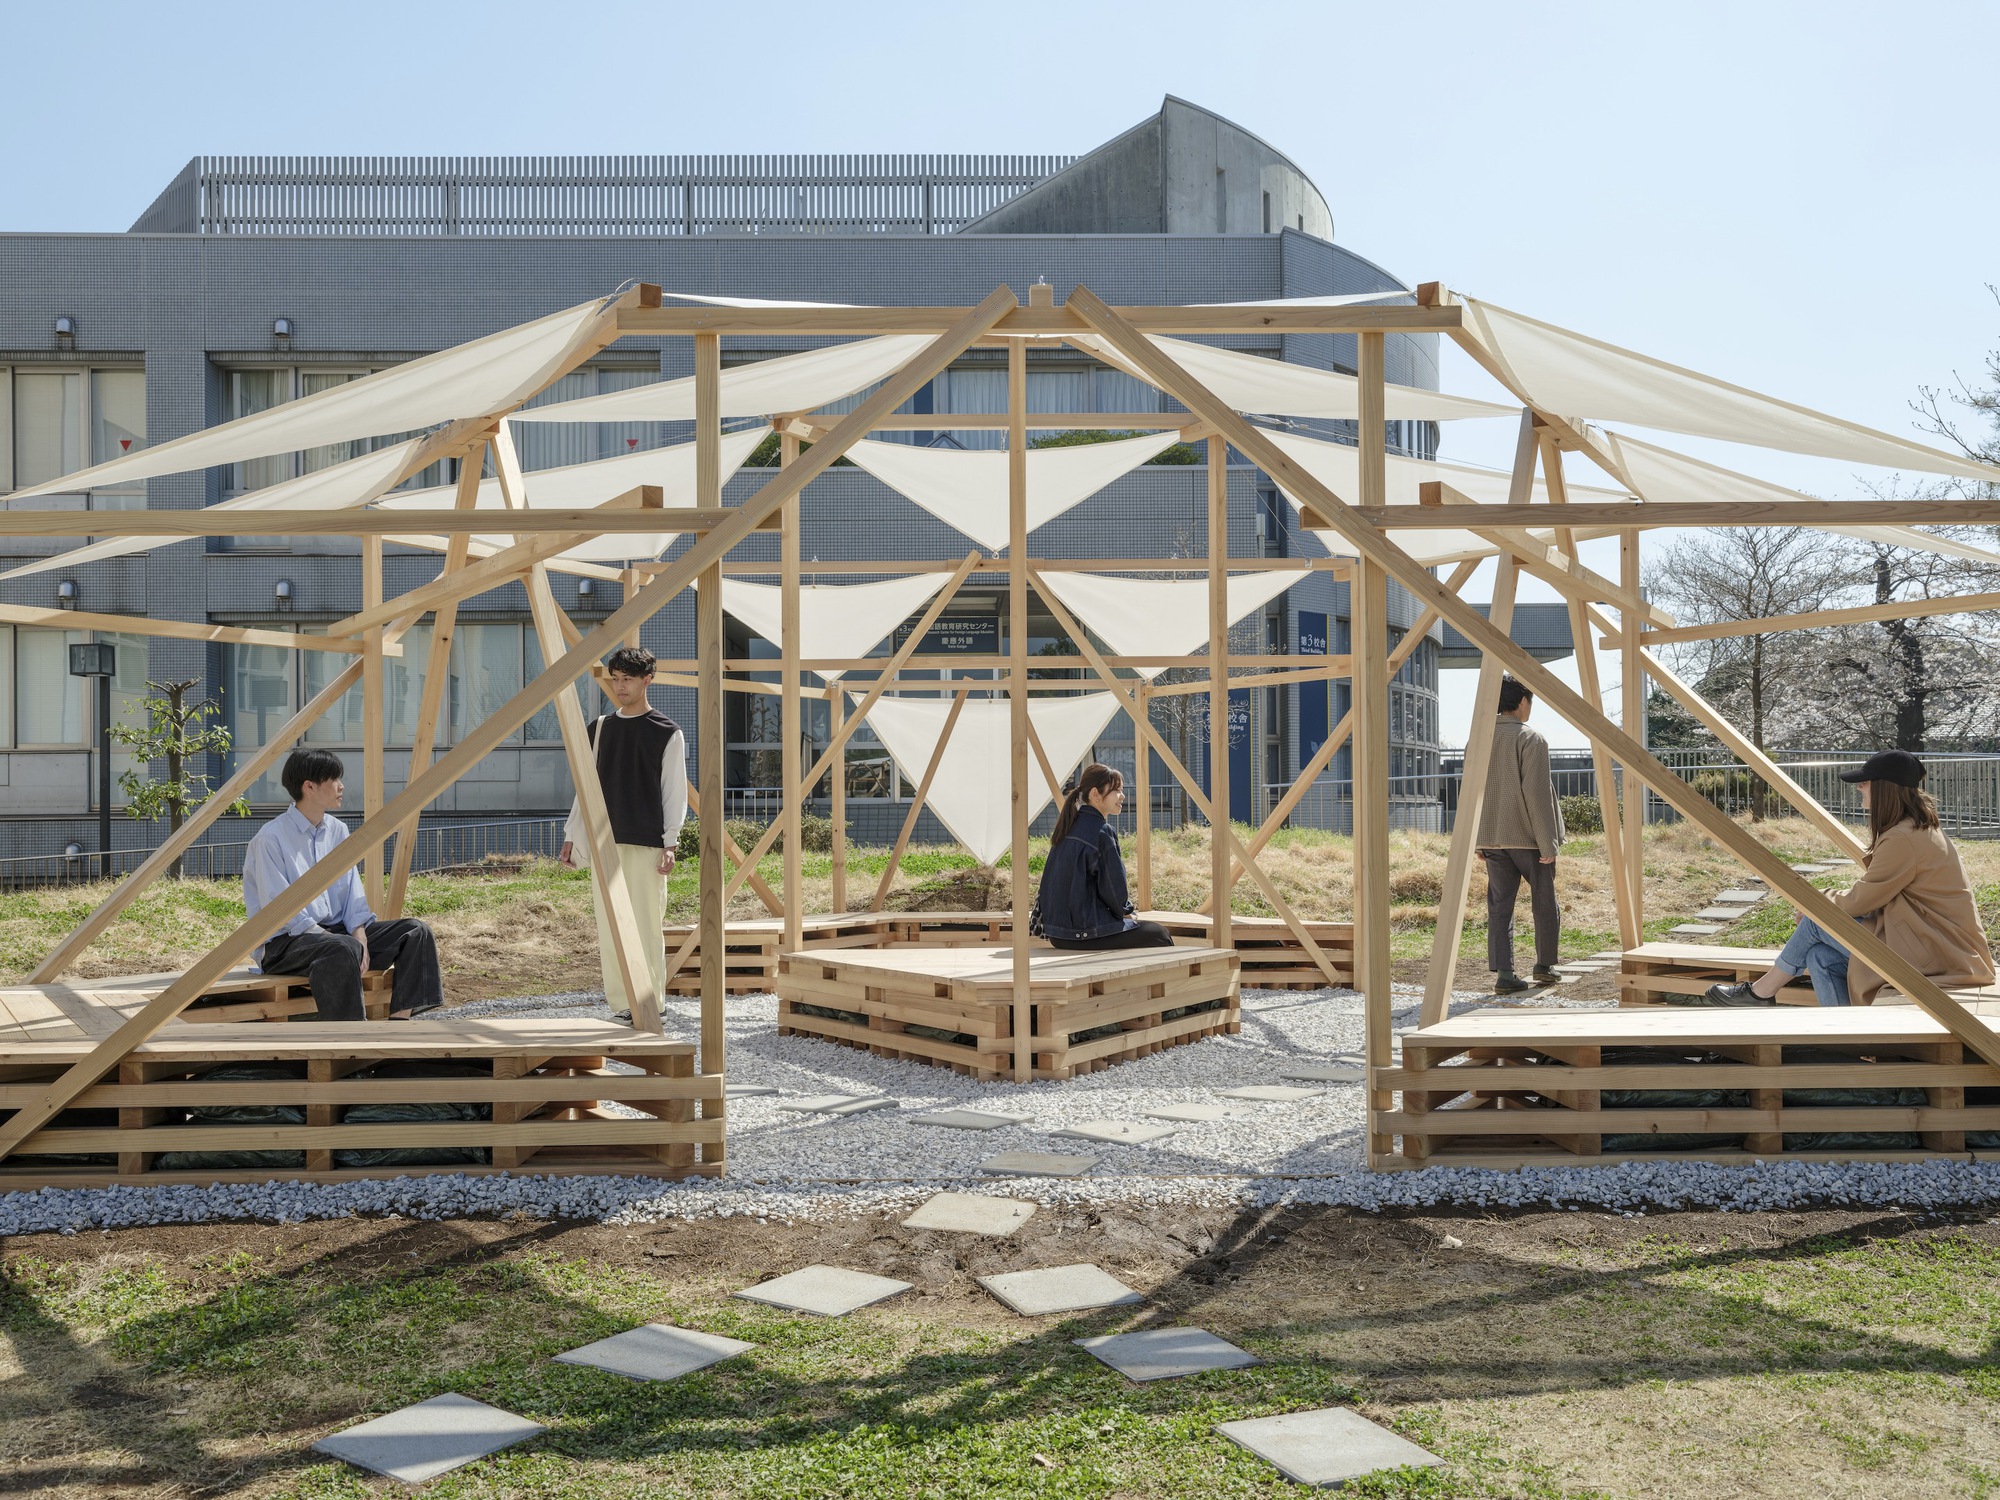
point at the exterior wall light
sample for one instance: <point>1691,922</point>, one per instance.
<point>66,594</point>
<point>65,328</point>
<point>586,589</point>
<point>281,593</point>
<point>281,328</point>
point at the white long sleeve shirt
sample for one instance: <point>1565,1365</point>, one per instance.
<point>673,797</point>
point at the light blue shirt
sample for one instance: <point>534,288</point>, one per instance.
<point>281,853</point>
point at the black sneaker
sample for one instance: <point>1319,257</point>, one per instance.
<point>1545,975</point>
<point>1509,983</point>
<point>1727,997</point>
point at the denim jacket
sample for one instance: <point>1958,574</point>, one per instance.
<point>1083,882</point>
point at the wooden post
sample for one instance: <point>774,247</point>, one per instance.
<point>1220,933</point>
<point>372,736</point>
<point>628,580</point>
<point>1142,787</point>
<point>788,705</point>
<point>1632,696</point>
<point>836,699</point>
<point>1368,649</point>
<point>709,650</point>
<point>1017,696</point>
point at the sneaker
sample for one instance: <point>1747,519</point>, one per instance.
<point>1545,975</point>
<point>1727,997</point>
<point>1509,983</point>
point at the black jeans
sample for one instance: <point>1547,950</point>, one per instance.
<point>331,960</point>
<point>1505,870</point>
<point>1144,935</point>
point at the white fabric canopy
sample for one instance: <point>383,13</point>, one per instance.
<point>1569,375</point>
<point>1158,616</point>
<point>834,619</point>
<point>1661,474</point>
<point>970,791</point>
<point>469,380</point>
<point>336,487</point>
<point>967,488</point>
<point>791,382</point>
<point>1252,383</point>
<point>1345,299</point>
<point>586,486</point>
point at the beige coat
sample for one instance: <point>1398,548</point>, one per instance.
<point>1520,809</point>
<point>1915,896</point>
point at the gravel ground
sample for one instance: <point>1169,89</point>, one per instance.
<point>785,1164</point>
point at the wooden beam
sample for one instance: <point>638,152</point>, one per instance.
<point>179,630</point>
<point>1562,572</point>
<point>836,808</point>
<point>1142,779</point>
<point>373,735</point>
<point>554,679</point>
<point>1368,617</point>
<point>1632,700</point>
<point>710,648</point>
<point>917,802</point>
<point>834,322</point>
<point>868,567</point>
<point>1634,515</point>
<point>1590,718</point>
<point>215,520</point>
<point>1821,619</point>
<point>1017,702</point>
<point>790,723</point>
<point>1219,790</point>
<point>806,424</point>
<point>1336,666</point>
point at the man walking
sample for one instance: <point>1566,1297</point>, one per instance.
<point>336,939</point>
<point>642,767</point>
<point>1520,830</point>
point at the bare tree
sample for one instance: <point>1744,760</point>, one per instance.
<point>1941,411</point>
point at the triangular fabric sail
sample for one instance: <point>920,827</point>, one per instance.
<point>1252,383</point>
<point>790,382</point>
<point>967,488</point>
<point>1158,616</point>
<point>970,793</point>
<point>1570,375</point>
<point>586,486</point>
<point>468,380</point>
<point>844,619</point>
<point>336,487</point>
<point>1660,474</point>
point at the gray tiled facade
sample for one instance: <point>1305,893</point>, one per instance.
<point>192,306</point>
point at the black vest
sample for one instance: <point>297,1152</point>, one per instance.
<point>629,752</point>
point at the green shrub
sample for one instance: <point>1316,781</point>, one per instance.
<point>1581,814</point>
<point>1724,788</point>
<point>815,835</point>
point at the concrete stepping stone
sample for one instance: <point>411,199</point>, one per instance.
<point>1810,869</point>
<point>1037,1164</point>
<point>1193,1114</point>
<point>747,1090</point>
<point>657,1351</point>
<point>1743,897</point>
<point>839,1104</point>
<point>1059,1289</point>
<point>1325,1448</point>
<point>969,1119</point>
<point>1721,913</point>
<point>1830,863</point>
<point>1117,1132</point>
<point>1345,1072</point>
<point>1272,1093</point>
<point>1696,929</point>
<point>1615,954</point>
<point>826,1291</point>
<point>971,1213</point>
<point>430,1438</point>
<point>1166,1353</point>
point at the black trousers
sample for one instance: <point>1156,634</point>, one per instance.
<point>1505,870</point>
<point>331,960</point>
<point>1145,935</point>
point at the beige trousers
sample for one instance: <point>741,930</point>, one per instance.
<point>649,904</point>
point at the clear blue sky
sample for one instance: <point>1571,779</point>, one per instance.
<point>1797,197</point>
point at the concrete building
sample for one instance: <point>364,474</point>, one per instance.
<point>253,281</point>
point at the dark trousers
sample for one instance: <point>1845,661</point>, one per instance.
<point>331,960</point>
<point>1505,870</point>
<point>1144,935</point>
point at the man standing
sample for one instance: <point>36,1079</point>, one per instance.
<point>336,939</point>
<point>642,767</point>
<point>1520,830</point>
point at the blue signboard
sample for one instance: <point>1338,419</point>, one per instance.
<point>1312,695</point>
<point>1240,759</point>
<point>970,635</point>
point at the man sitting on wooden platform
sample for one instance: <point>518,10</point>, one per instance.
<point>337,938</point>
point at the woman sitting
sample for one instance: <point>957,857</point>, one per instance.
<point>1914,896</point>
<point>1083,902</point>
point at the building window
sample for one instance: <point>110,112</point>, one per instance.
<point>550,445</point>
<point>1267,213</point>
<point>56,421</point>
<point>259,389</point>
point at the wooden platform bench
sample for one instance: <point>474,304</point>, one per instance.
<point>751,949</point>
<point>1273,957</point>
<point>1508,1087</point>
<point>1653,971</point>
<point>338,1101</point>
<point>953,1007</point>
<point>239,995</point>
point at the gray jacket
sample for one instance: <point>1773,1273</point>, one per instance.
<point>1520,810</point>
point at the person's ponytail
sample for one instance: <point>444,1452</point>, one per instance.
<point>1092,778</point>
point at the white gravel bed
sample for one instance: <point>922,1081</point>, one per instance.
<point>783,1164</point>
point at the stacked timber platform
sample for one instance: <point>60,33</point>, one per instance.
<point>1653,973</point>
<point>954,1007</point>
<point>334,1101</point>
<point>1506,1088</point>
<point>1272,956</point>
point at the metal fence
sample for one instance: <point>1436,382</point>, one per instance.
<point>589,195</point>
<point>439,846</point>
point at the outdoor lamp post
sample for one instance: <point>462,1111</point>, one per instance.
<point>99,659</point>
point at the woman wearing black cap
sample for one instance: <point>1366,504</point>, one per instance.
<point>1913,894</point>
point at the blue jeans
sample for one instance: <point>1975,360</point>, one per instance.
<point>1810,951</point>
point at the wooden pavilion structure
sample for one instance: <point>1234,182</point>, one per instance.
<point>1524,1095</point>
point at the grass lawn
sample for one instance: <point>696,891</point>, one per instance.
<point>1555,1356</point>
